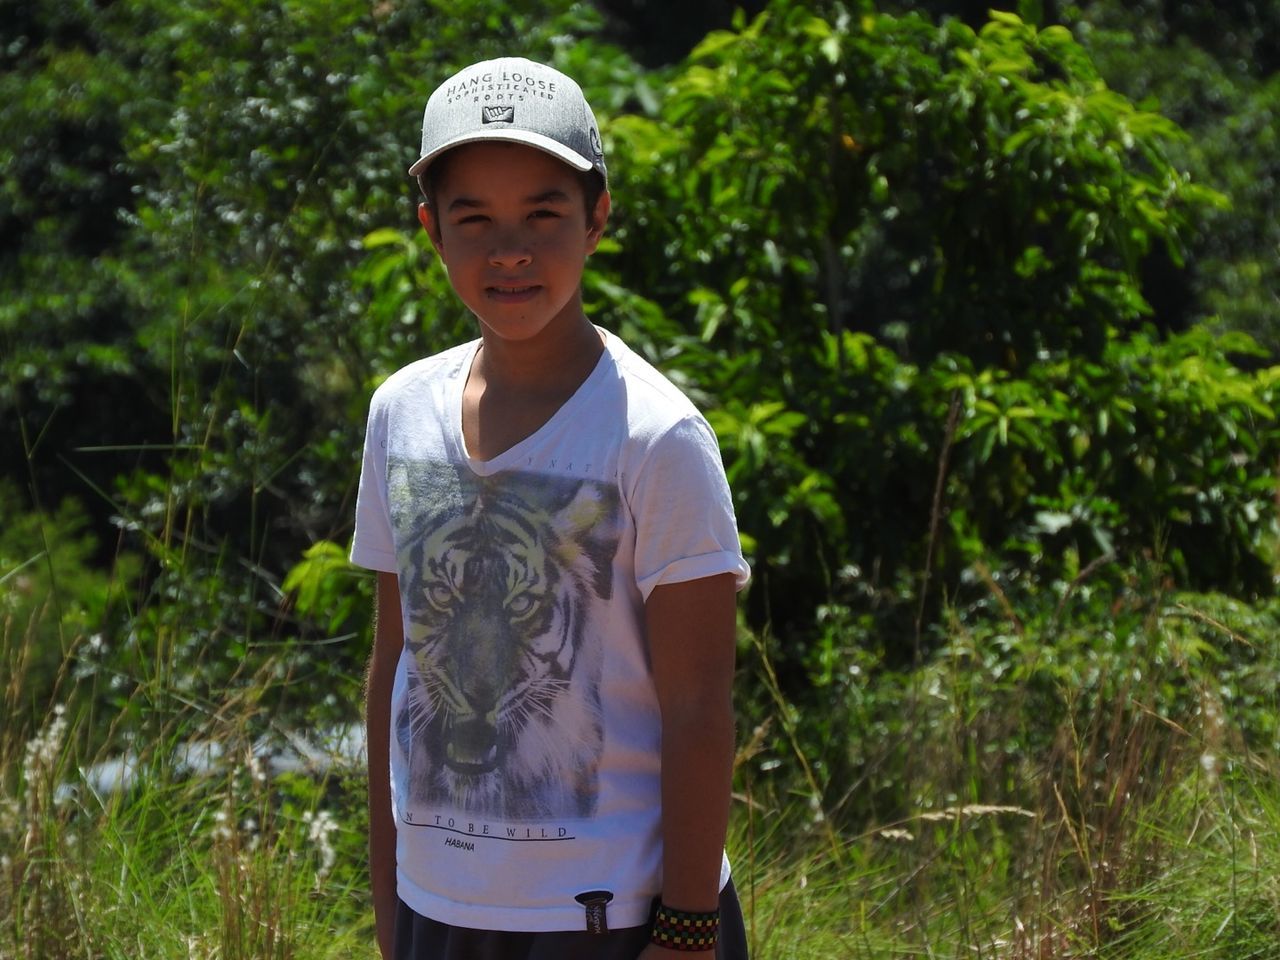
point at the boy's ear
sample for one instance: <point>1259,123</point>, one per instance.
<point>599,217</point>
<point>427,217</point>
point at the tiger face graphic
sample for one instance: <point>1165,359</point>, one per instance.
<point>500,577</point>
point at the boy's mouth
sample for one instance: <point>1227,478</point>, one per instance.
<point>512,293</point>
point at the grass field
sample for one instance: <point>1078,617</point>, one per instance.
<point>1127,833</point>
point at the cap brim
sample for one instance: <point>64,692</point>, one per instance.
<point>526,137</point>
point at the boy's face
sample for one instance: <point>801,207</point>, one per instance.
<point>510,226</point>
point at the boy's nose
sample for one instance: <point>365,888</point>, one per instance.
<point>509,251</point>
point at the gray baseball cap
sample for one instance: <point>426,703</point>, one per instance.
<point>516,100</point>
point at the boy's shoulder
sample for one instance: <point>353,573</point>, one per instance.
<point>662,423</point>
<point>653,390</point>
<point>427,372</point>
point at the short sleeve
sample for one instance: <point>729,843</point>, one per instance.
<point>683,511</point>
<point>373,545</point>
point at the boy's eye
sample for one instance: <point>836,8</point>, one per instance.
<point>544,214</point>
<point>473,218</point>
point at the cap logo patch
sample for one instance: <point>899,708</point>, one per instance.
<point>497,114</point>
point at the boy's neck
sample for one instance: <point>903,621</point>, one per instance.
<point>555,362</point>
<point>515,387</point>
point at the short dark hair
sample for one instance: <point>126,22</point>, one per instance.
<point>590,180</point>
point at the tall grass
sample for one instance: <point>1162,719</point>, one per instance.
<point>232,864</point>
<point>1134,820</point>
<point>1103,787</point>
<point>1196,880</point>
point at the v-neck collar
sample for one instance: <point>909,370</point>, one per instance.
<point>555,422</point>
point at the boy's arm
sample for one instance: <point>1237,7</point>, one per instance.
<point>691,629</point>
<point>388,640</point>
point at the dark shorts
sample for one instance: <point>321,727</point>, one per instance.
<point>419,938</point>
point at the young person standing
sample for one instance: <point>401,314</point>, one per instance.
<point>549,710</point>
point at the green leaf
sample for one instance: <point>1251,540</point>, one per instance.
<point>715,43</point>
<point>384,236</point>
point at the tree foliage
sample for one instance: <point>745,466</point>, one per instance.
<point>1212,68</point>
<point>874,221</point>
<point>917,270</point>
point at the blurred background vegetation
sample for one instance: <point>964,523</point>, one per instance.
<point>981,303</point>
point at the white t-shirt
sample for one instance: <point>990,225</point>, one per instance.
<point>525,726</point>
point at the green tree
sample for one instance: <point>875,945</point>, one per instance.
<point>847,213</point>
<point>188,338</point>
<point>916,271</point>
<point>1212,68</point>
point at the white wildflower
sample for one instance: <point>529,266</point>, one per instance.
<point>256,769</point>
<point>320,827</point>
<point>10,813</point>
<point>43,749</point>
<point>222,824</point>
<point>250,829</point>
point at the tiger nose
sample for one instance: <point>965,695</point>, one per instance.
<point>476,738</point>
<point>482,695</point>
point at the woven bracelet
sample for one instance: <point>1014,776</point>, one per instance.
<point>680,930</point>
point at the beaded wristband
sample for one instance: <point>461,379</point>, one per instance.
<point>680,930</point>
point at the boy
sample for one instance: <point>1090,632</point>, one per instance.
<point>557,563</point>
